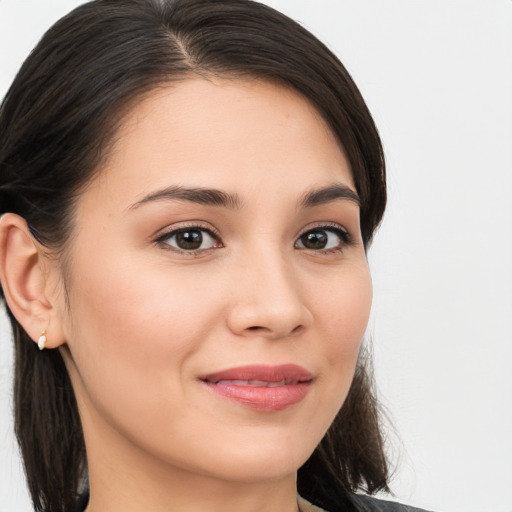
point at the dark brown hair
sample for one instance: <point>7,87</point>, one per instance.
<point>56,124</point>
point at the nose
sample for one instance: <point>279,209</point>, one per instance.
<point>268,301</point>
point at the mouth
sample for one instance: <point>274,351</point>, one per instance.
<point>263,388</point>
<point>255,383</point>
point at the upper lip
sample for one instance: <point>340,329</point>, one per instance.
<point>284,374</point>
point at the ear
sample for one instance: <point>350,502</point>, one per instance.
<point>25,277</point>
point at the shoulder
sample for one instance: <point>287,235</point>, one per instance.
<point>370,504</point>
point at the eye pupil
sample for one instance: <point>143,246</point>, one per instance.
<point>314,239</point>
<point>189,240</point>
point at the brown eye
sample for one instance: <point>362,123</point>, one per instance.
<point>319,239</point>
<point>190,239</point>
<point>314,239</point>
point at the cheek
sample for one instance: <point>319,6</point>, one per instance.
<point>137,306</point>
<point>342,316</point>
<point>343,305</point>
<point>134,328</point>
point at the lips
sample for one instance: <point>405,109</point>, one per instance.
<point>264,388</point>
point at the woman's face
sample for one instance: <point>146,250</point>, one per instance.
<point>217,283</point>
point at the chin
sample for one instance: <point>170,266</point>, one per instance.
<point>252,471</point>
<point>259,461</point>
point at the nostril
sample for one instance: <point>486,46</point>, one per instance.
<point>256,328</point>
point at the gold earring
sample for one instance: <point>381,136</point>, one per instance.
<point>42,340</point>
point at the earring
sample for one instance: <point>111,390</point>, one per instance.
<point>42,340</point>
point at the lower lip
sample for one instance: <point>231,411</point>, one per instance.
<point>262,398</point>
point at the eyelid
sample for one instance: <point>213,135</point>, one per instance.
<point>346,237</point>
<point>325,225</point>
<point>175,229</point>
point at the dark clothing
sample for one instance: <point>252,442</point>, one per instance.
<point>364,504</point>
<point>369,504</point>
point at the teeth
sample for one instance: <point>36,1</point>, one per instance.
<point>275,384</point>
<point>255,383</point>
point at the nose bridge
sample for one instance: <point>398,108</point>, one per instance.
<point>268,299</point>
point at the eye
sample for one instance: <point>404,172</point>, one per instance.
<point>324,238</point>
<point>190,239</point>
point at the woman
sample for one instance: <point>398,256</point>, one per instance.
<point>189,189</point>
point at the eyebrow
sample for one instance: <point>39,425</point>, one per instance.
<point>327,194</point>
<point>214,197</point>
<point>206,196</point>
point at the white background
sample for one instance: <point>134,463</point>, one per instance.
<point>437,75</point>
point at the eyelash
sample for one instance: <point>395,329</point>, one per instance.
<point>345,237</point>
<point>161,240</point>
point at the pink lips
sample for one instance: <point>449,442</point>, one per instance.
<point>261,387</point>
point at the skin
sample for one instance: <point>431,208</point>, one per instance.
<point>145,320</point>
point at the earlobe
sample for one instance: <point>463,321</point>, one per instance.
<point>24,281</point>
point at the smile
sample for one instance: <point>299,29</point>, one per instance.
<point>263,388</point>
<point>258,383</point>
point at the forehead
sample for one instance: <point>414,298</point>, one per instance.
<point>225,133</point>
